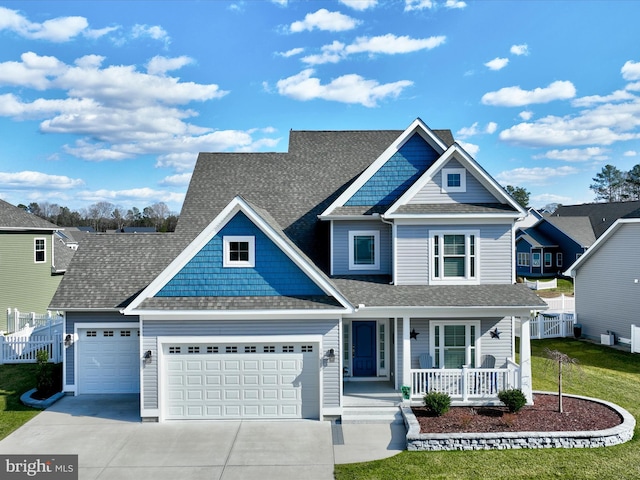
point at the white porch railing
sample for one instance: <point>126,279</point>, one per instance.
<point>541,284</point>
<point>465,384</point>
<point>25,349</point>
<point>17,320</point>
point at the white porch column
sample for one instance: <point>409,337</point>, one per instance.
<point>526,384</point>
<point>406,351</point>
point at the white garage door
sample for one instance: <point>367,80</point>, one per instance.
<point>108,360</point>
<point>210,381</point>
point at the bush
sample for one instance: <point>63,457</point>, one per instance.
<point>44,373</point>
<point>513,399</point>
<point>437,403</point>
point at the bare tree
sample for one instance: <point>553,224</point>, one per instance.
<point>559,360</point>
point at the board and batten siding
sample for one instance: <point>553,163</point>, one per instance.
<point>432,191</point>
<point>495,252</point>
<point>86,317</point>
<point>329,329</point>
<point>341,231</point>
<point>606,292</point>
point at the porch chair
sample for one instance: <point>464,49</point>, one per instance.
<point>425,363</point>
<point>489,361</point>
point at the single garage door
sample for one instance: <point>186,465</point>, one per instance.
<point>222,381</point>
<point>108,360</point>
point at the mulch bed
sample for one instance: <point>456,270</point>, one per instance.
<point>542,416</point>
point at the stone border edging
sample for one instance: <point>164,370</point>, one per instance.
<point>26,399</point>
<point>417,441</point>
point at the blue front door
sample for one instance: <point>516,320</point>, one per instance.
<point>364,349</point>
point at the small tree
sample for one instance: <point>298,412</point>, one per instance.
<point>560,360</point>
<point>44,374</point>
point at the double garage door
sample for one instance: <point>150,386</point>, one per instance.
<point>108,360</point>
<point>241,381</point>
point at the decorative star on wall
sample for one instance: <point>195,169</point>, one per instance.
<point>495,333</point>
<point>414,334</point>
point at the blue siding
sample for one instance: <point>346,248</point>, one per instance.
<point>274,273</point>
<point>397,174</point>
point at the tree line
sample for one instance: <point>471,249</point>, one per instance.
<point>103,216</point>
<point>614,185</point>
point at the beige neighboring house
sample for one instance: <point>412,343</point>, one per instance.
<point>34,255</point>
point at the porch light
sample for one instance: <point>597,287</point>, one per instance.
<point>331,355</point>
<point>147,356</point>
<point>68,340</point>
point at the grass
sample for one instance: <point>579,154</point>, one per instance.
<point>606,373</point>
<point>14,381</point>
<point>565,286</point>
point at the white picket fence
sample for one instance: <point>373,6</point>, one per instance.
<point>551,325</point>
<point>17,320</point>
<point>541,284</point>
<point>25,349</point>
<point>563,303</point>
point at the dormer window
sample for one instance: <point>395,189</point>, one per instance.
<point>454,180</point>
<point>239,251</point>
<point>364,250</point>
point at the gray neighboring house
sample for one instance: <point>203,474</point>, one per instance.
<point>607,281</point>
<point>33,257</point>
<point>355,256</point>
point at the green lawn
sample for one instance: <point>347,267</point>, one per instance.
<point>606,373</point>
<point>14,381</point>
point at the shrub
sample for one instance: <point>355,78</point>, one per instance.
<point>44,377</point>
<point>513,399</point>
<point>437,403</point>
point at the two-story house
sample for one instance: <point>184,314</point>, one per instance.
<point>356,256</point>
<point>33,258</point>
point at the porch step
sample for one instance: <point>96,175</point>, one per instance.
<point>372,414</point>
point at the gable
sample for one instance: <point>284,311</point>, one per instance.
<point>273,274</point>
<point>470,189</point>
<point>399,172</point>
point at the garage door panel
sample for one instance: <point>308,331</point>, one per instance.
<point>108,363</point>
<point>250,385</point>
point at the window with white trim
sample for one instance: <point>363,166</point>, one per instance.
<point>547,259</point>
<point>40,250</point>
<point>535,259</point>
<point>364,250</point>
<point>523,259</point>
<point>454,180</point>
<point>454,256</point>
<point>453,343</point>
<point>559,259</point>
<point>239,251</point>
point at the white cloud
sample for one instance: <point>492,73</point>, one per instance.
<point>133,196</point>
<point>34,71</point>
<point>178,180</point>
<point>383,44</point>
<point>156,32</point>
<point>519,49</point>
<point>526,115</point>
<point>630,153</point>
<point>475,129</point>
<point>576,154</point>
<point>617,96</point>
<point>471,148</point>
<point>491,127</point>
<point>323,19</point>
<point>159,65</point>
<point>455,4</point>
<point>345,89</point>
<point>533,176</point>
<point>517,97</point>
<point>291,53</point>
<point>30,180</point>
<point>631,70</point>
<point>360,4</point>
<point>411,5</point>
<point>497,63</point>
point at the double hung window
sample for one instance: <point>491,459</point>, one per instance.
<point>454,343</point>
<point>454,256</point>
<point>39,250</point>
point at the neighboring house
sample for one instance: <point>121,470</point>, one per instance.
<point>546,248</point>
<point>33,257</point>
<point>354,256</point>
<point>607,281</point>
<point>531,219</point>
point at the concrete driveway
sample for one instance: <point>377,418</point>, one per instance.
<point>111,443</point>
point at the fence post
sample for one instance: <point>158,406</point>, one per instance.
<point>2,340</point>
<point>633,338</point>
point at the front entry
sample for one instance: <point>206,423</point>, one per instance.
<point>364,349</point>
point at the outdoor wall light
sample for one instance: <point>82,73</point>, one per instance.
<point>68,340</point>
<point>147,355</point>
<point>331,355</point>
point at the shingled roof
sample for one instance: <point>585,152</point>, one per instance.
<point>602,215</point>
<point>14,218</point>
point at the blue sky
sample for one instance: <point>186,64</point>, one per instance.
<point>113,100</point>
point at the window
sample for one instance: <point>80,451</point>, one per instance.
<point>39,250</point>
<point>547,259</point>
<point>364,250</point>
<point>212,349</point>
<point>454,344</point>
<point>454,256</point>
<point>535,259</point>
<point>454,180</point>
<point>559,259</point>
<point>239,251</point>
<point>193,349</point>
<point>174,350</point>
<point>287,349</point>
<point>249,349</point>
<point>523,259</point>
